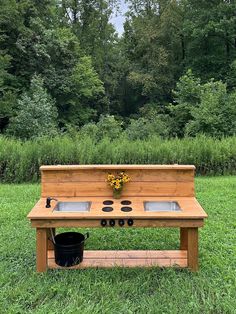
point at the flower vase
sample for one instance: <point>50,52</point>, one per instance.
<point>117,193</point>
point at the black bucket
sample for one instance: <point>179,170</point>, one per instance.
<point>69,248</point>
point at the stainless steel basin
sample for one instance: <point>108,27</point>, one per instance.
<point>162,206</point>
<point>73,207</point>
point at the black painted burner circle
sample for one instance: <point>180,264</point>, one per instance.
<point>107,209</point>
<point>126,209</point>
<point>108,202</point>
<point>126,202</point>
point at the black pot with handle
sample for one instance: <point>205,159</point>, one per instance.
<point>69,248</point>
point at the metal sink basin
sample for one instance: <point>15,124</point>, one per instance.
<point>162,206</point>
<point>80,207</point>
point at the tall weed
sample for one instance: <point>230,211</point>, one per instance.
<point>20,160</point>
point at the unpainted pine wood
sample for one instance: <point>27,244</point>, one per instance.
<point>114,167</point>
<point>96,223</point>
<point>193,249</point>
<point>110,263</point>
<point>136,175</point>
<point>91,189</point>
<point>183,238</point>
<point>129,254</point>
<point>191,209</point>
<point>41,249</point>
<point>126,259</point>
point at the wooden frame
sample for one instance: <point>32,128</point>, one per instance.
<point>148,182</point>
<point>187,256</point>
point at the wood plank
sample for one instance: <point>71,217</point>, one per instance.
<point>193,248</point>
<point>122,167</point>
<point>130,254</point>
<point>183,238</point>
<point>95,223</point>
<point>110,263</point>
<point>41,249</point>
<point>126,259</point>
<point>191,209</point>
<point>136,175</point>
<point>76,189</point>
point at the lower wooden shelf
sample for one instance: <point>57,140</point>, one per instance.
<point>108,259</point>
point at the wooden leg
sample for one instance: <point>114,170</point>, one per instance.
<point>193,248</point>
<point>183,238</point>
<point>49,236</point>
<point>41,249</point>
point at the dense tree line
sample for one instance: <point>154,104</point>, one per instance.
<point>172,72</point>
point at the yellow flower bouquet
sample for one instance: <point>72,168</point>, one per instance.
<point>117,181</point>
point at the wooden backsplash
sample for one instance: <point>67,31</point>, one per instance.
<point>90,180</point>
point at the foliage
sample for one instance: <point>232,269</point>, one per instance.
<point>143,128</point>
<point>36,114</point>
<point>216,113</point>
<point>20,161</point>
<point>90,71</point>
<point>107,127</point>
<point>7,94</point>
<point>209,34</point>
<point>202,108</point>
<point>86,79</point>
<point>186,97</point>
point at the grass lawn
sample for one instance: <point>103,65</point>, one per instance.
<point>211,290</point>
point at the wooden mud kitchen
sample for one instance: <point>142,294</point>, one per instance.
<point>157,196</point>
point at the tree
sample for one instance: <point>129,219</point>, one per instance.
<point>107,126</point>
<point>210,33</point>
<point>36,113</point>
<point>86,89</point>
<point>42,44</point>
<point>88,70</point>
<point>202,108</point>
<point>7,94</point>
<point>143,128</point>
<point>153,44</point>
<point>216,113</point>
<point>185,97</point>
<point>89,21</point>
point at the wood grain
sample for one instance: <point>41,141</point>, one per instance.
<point>148,180</point>
<point>76,189</point>
<point>137,175</point>
<point>41,249</point>
<point>183,238</point>
<point>96,223</point>
<point>114,167</point>
<point>148,183</point>
<point>193,248</point>
<point>120,254</point>
<point>107,259</point>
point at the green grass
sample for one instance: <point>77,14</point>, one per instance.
<point>211,290</point>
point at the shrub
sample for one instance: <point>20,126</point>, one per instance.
<point>216,114</point>
<point>143,128</point>
<point>186,97</point>
<point>89,130</point>
<point>36,113</point>
<point>107,127</point>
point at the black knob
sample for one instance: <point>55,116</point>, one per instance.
<point>121,222</point>
<point>130,222</point>
<point>112,222</point>
<point>103,222</point>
